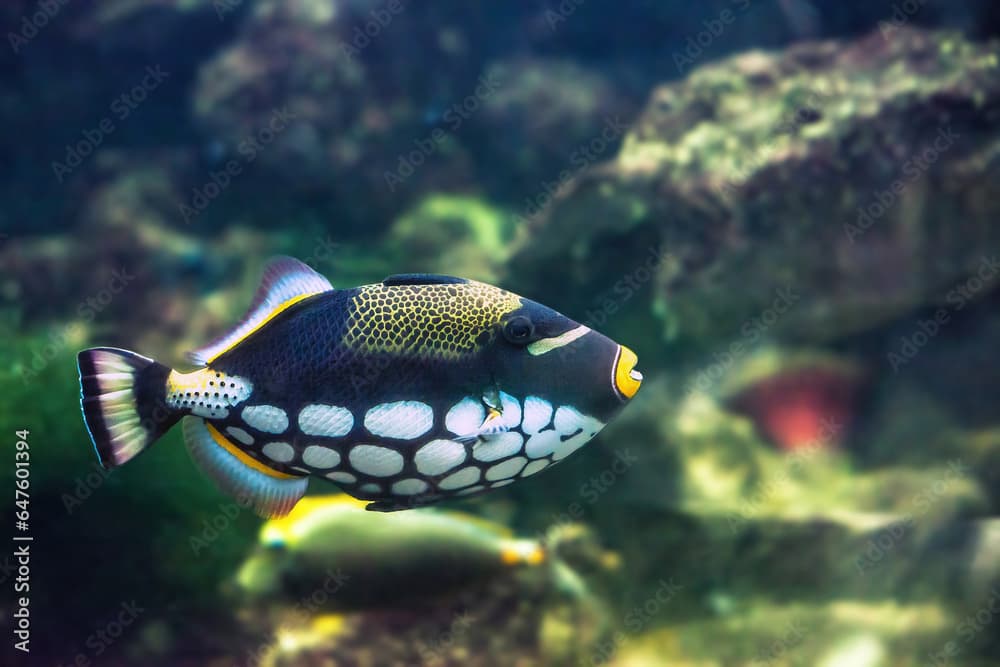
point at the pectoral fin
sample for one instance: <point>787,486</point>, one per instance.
<point>503,413</point>
<point>492,424</point>
<point>493,414</point>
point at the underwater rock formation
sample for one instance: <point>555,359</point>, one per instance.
<point>365,131</point>
<point>286,97</point>
<point>367,134</point>
<point>146,268</point>
<point>508,623</point>
<point>810,522</point>
<point>464,236</point>
<point>855,175</point>
<point>724,466</point>
<point>549,112</point>
<point>848,632</point>
<point>128,25</point>
<point>850,559</point>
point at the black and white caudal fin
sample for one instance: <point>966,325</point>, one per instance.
<point>285,282</point>
<point>271,493</point>
<point>122,401</point>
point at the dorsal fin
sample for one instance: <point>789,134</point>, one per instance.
<point>286,281</point>
<point>422,279</point>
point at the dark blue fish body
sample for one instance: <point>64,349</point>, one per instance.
<point>401,392</point>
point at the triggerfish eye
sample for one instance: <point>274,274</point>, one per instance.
<point>626,378</point>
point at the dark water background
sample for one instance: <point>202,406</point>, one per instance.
<point>787,208</point>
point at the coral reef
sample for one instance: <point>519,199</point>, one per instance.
<point>828,169</point>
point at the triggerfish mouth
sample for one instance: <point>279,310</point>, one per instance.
<point>401,393</point>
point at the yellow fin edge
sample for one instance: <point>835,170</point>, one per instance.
<point>285,305</point>
<point>243,457</point>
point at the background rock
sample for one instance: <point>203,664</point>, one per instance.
<point>759,165</point>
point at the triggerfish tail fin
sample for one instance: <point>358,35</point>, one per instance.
<point>285,282</point>
<point>271,493</point>
<point>122,397</point>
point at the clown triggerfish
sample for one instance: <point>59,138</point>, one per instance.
<point>402,393</point>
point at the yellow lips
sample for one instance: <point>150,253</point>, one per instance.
<point>627,379</point>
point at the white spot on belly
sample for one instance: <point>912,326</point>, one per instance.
<point>327,420</point>
<point>511,417</point>
<point>463,477</point>
<point>281,452</point>
<point>534,467</point>
<point>503,482</point>
<point>409,487</point>
<point>499,446</point>
<point>569,421</point>
<point>240,435</point>
<point>506,469</point>
<point>266,418</point>
<point>320,457</point>
<point>542,444</point>
<point>573,444</point>
<point>537,415</point>
<point>439,456</point>
<point>470,490</point>
<point>370,487</point>
<point>376,461</point>
<point>405,420</point>
<point>465,417</point>
<point>342,477</point>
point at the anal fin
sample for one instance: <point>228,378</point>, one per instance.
<point>271,493</point>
